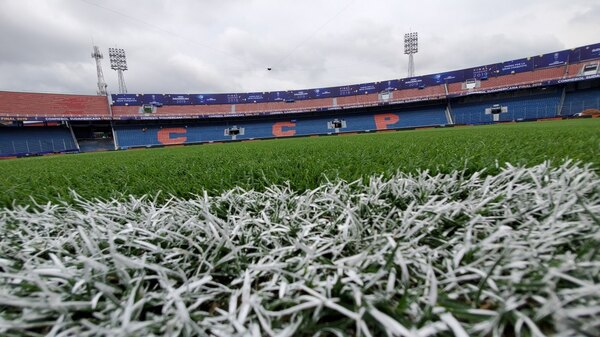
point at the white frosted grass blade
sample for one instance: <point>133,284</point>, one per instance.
<point>474,248</point>
<point>454,325</point>
<point>390,324</point>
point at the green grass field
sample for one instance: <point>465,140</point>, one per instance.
<point>483,249</point>
<point>303,162</point>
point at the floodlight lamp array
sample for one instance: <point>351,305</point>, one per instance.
<point>411,43</point>
<point>117,59</point>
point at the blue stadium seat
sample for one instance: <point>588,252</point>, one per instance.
<point>519,108</point>
<point>200,132</point>
<point>22,141</point>
<point>580,100</point>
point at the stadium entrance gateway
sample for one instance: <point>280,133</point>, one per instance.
<point>495,111</point>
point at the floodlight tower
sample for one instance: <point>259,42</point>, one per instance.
<point>97,55</point>
<point>411,47</point>
<point>118,62</point>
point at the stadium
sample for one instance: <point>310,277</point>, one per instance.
<point>560,84</point>
<point>456,203</point>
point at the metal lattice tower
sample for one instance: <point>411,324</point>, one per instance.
<point>97,55</point>
<point>411,47</point>
<point>118,62</point>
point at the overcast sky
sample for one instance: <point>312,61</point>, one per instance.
<point>199,46</point>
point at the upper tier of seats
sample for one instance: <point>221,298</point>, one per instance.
<point>21,104</point>
<point>528,77</point>
<point>434,92</point>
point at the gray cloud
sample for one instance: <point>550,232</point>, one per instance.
<point>190,46</point>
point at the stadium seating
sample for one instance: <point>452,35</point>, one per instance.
<point>434,92</point>
<point>519,108</point>
<point>580,100</point>
<point>576,69</point>
<point>19,141</point>
<point>208,131</point>
<point>524,77</point>
<point>21,104</point>
<point>527,77</point>
<point>172,110</point>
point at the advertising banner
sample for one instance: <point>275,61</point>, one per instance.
<point>175,99</point>
<point>323,92</point>
<point>585,53</point>
<point>447,77</point>
<point>552,60</point>
<point>388,85</point>
<point>126,99</point>
<point>516,66</point>
<point>411,83</point>
<point>201,99</point>
<point>367,88</point>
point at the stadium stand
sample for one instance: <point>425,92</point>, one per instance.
<point>473,110</point>
<point>434,92</point>
<point>578,69</point>
<point>580,100</point>
<point>21,104</point>
<point>21,141</point>
<point>154,134</point>
<point>523,78</point>
<point>172,110</point>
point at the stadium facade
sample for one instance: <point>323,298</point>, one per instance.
<point>561,84</point>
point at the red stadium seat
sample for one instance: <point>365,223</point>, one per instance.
<point>22,104</point>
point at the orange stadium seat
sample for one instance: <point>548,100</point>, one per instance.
<point>22,104</point>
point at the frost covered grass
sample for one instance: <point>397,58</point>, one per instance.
<point>514,253</point>
<point>304,163</point>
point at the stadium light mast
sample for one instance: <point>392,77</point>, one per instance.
<point>118,62</point>
<point>411,47</point>
<point>97,55</point>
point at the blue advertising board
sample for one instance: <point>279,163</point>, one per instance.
<point>584,53</point>
<point>411,83</point>
<point>389,85</point>
<point>201,99</point>
<point>558,58</point>
<point>515,66</point>
<point>126,99</point>
<point>447,77</point>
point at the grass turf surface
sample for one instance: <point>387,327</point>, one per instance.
<point>303,162</point>
<point>413,255</point>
